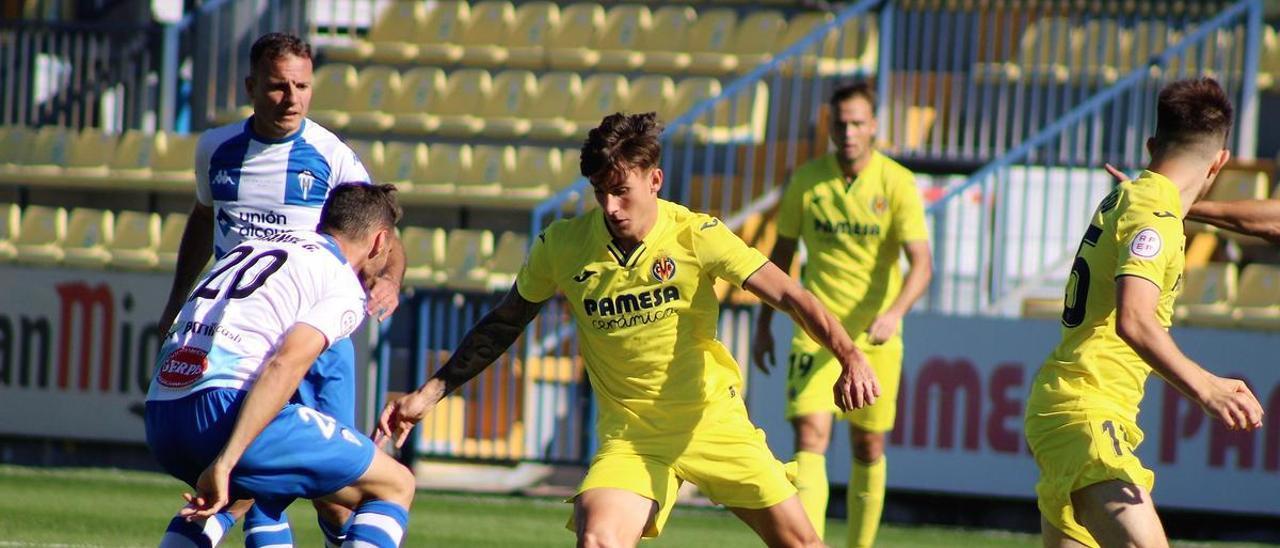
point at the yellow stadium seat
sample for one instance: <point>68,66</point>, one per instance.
<point>91,151</point>
<point>136,238</point>
<point>170,239</point>
<point>534,174</point>
<point>487,29</point>
<point>665,46</point>
<point>625,27</point>
<point>391,38</point>
<point>1043,51</point>
<point>1240,183</point>
<point>1268,59</point>
<point>438,39</point>
<point>484,176</point>
<point>758,38</point>
<point>370,154</point>
<point>535,22</point>
<point>423,256</point>
<point>508,257</point>
<point>1258,305</point>
<point>10,219</point>
<point>48,153</point>
<point>174,162</point>
<point>709,41</point>
<point>570,171</point>
<point>421,90</point>
<point>466,251</point>
<point>1095,55</point>
<point>737,119</point>
<point>463,97</point>
<point>552,102</point>
<point>798,27</point>
<point>399,159</point>
<point>41,234</point>
<point>602,94</point>
<point>1137,45</point>
<point>1208,293</point>
<point>132,158</point>
<point>651,93</point>
<point>89,231</point>
<point>502,111</point>
<point>569,47</point>
<point>445,164</point>
<point>367,110</point>
<point>335,87</point>
<point>691,91</point>
<point>855,50</point>
<point>15,141</point>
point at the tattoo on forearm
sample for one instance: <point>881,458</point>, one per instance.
<point>487,341</point>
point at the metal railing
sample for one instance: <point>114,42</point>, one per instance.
<point>1010,230</point>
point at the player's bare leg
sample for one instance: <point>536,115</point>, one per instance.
<point>1118,513</point>
<point>813,435</point>
<point>865,500</point>
<point>1052,537</point>
<point>385,479</point>
<point>607,518</point>
<point>781,525</point>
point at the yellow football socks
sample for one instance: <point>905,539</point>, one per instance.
<point>865,501</point>
<point>811,482</point>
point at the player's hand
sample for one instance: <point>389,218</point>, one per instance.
<point>212,493</point>
<point>762,348</point>
<point>857,386</point>
<point>1231,401</point>
<point>384,298</point>
<point>883,328</point>
<point>1115,173</point>
<point>401,414</point>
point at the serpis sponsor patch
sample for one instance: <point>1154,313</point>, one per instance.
<point>183,367</point>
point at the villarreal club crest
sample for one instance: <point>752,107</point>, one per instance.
<point>663,269</point>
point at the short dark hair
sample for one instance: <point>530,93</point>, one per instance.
<point>356,210</point>
<point>860,88</point>
<point>1193,113</point>
<point>274,45</point>
<point>621,143</point>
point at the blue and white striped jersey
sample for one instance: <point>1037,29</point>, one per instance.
<point>259,187</point>
<point>239,313</point>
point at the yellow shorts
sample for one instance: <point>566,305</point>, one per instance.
<point>1076,449</point>
<point>727,459</point>
<point>811,377</point>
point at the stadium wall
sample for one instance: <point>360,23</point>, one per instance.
<point>961,401</point>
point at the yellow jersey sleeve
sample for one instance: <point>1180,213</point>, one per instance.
<point>536,280</point>
<point>790,208</point>
<point>722,253</point>
<point>1146,244</point>
<point>908,212</point>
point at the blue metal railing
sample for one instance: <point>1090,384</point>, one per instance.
<point>1006,231</point>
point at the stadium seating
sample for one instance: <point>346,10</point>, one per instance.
<point>135,241</point>
<point>466,250</point>
<point>10,218</point>
<point>1258,305</point>
<point>132,158</point>
<point>424,256</point>
<point>88,233</point>
<point>421,89</point>
<point>40,235</point>
<point>171,231</point>
<point>1207,294</point>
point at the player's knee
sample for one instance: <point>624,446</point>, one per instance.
<point>404,485</point>
<point>868,447</point>
<point>812,438</point>
<point>595,537</point>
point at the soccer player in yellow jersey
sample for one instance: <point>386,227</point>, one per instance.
<point>856,211</point>
<point>639,273</point>
<point>1081,415</point>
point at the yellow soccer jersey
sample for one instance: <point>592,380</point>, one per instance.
<point>853,235</point>
<point>1135,231</point>
<point>646,321</point>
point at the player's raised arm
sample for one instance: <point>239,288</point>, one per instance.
<point>1259,218</point>
<point>277,382</point>
<point>483,344</point>
<point>857,385</point>
<point>784,251</point>
<point>1228,400</point>
<point>193,253</point>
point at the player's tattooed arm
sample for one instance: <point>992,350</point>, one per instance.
<point>486,341</point>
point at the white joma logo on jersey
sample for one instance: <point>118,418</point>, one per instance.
<point>305,180</point>
<point>222,178</point>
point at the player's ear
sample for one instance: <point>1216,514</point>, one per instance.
<point>248,86</point>
<point>1224,156</point>
<point>656,179</point>
<point>379,243</point>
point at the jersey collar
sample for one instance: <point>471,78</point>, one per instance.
<point>603,237</point>
<point>1164,183</point>
<point>248,128</point>
<point>331,244</point>
<point>872,172</point>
